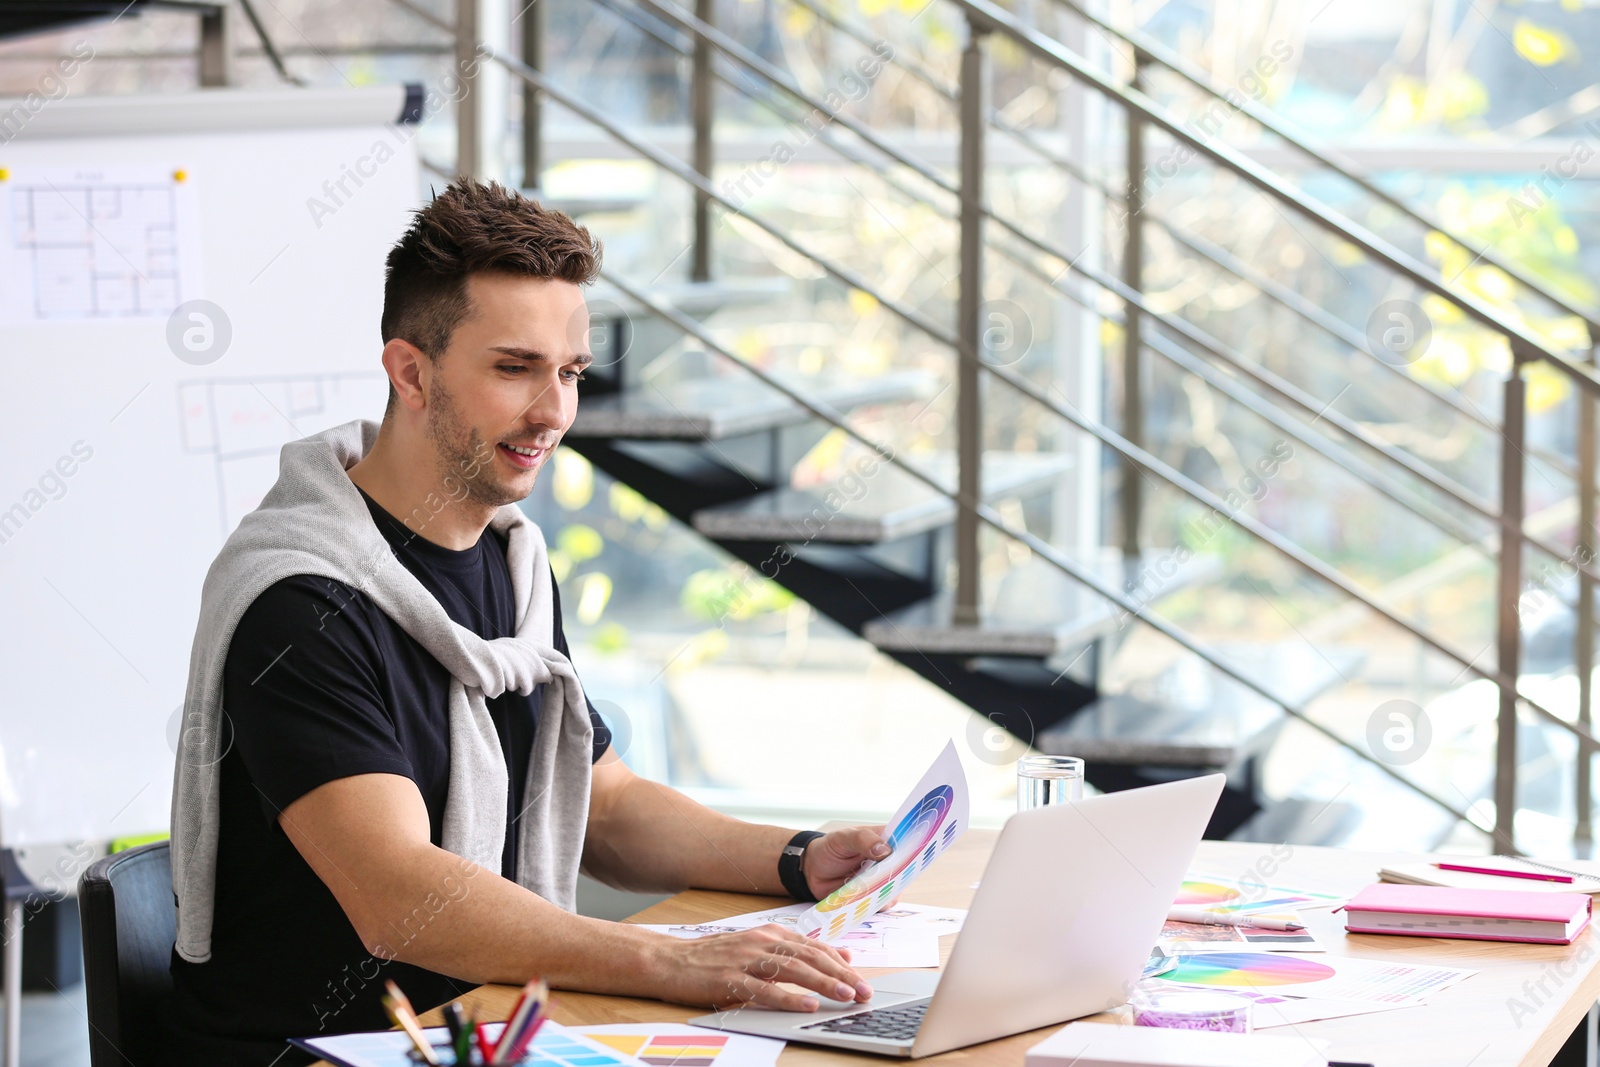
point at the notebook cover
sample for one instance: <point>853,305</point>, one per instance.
<point>1472,903</point>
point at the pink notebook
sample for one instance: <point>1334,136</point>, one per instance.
<point>1478,914</point>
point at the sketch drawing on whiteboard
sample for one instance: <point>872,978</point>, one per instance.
<point>90,244</point>
<point>243,422</point>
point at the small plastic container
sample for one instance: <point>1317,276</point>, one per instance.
<point>1219,1011</point>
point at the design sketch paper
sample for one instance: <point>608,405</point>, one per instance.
<point>1336,977</point>
<point>930,820</point>
<point>1179,939</point>
<point>1234,897</point>
<point>674,1045</point>
<point>553,1046</point>
<point>97,243</point>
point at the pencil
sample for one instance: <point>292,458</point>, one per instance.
<point>400,1010</point>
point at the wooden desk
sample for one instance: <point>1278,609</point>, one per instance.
<point>1473,1024</point>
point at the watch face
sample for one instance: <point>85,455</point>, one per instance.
<point>912,842</point>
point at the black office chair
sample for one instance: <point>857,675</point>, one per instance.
<point>129,922</point>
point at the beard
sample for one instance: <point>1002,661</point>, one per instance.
<point>463,456</point>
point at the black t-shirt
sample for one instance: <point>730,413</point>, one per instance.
<point>320,684</point>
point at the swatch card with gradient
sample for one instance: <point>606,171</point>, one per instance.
<point>928,822</point>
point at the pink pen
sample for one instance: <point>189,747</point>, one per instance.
<point>1502,872</point>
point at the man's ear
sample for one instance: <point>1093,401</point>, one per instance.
<point>404,363</point>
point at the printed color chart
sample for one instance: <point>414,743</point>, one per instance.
<point>928,822</point>
<point>1336,977</point>
<point>555,1046</point>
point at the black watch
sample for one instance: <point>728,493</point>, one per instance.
<point>790,870</point>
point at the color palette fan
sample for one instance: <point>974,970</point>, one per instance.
<point>928,822</point>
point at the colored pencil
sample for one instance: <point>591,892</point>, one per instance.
<point>1533,876</point>
<point>401,1012</point>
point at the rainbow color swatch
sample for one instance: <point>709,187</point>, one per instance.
<point>1252,970</point>
<point>929,821</point>
<point>1232,897</point>
<point>667,1050</point>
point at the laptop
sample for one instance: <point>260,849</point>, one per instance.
<point>1062,925</point>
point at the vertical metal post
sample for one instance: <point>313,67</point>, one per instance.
<point>1509,630</point>
<point>469,132</point>
<point>1583,654</point>
<point>216,45</point>
<point>702,114</point>
<point>969,328</point>
<point>1132,339</point>
<point>533,20</point>
<point>13,983</point>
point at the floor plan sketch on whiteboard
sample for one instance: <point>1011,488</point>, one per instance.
<point>242,423</point>
<point>87,244</point>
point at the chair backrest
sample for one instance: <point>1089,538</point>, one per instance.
<point>129,921</point>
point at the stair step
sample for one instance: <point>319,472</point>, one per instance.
<point>711,409</point>
<point>1191,715</point>
<point>887,506</point>
<point>1038,612</point>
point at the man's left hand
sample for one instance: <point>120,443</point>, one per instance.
<point>830,860</point>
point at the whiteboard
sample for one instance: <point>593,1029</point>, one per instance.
<point>138,426</point>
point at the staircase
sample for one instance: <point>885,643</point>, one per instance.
<point>1207,513</point>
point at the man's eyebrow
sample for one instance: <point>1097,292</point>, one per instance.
<point>582,359</point>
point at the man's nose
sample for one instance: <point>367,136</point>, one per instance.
<point>547,412</point>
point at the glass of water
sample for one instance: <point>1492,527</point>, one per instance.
<point>1043,780</point>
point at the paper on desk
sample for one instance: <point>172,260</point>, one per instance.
<point>1179,939</point>
<point>674,1045</point>
<point>553,1046</point>
<point>1232,896</point>
<point>930,820</point>
<point>903,916</point>
<point>1336,977</point>
<point>868,948</point>
<point>1428,874</point>
<point>1269,1009</point>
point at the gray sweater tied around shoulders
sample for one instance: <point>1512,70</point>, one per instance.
<point>314,522</point>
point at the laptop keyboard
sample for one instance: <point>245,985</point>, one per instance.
<point>899,1023</point>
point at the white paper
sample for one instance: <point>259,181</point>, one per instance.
<point>96,243</point>
<point>1233,896</point>
<point>1268,1010</point>
<point>1336,977</point>
<point>931,819</point>
<point>917,946</point>
<point>553,1046</point>
<point>674,1045</point>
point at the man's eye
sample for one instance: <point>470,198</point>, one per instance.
<point>513,367</point>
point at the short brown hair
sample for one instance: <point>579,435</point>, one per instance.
<point>469,228</point>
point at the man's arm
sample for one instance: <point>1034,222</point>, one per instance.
<point>367,838</point>
<point>647,836</point>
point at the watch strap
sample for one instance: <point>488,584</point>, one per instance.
<point>790,870</point>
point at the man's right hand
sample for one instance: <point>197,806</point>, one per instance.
<point>747,966</point>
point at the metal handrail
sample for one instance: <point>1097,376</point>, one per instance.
<point>697,28</point>
<point>1251,402</point>
<point>1048,552</point>
<point>1524,347</point>
<point>1221,257</point>
<point>1147,462</point>
<point>1279,127</point>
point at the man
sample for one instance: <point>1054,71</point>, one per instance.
<point>386,784</point>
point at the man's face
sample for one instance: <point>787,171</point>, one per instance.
<point>506,389</point>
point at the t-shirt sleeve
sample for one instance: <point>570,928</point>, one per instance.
<point>602,732</point>
<point>302,692</point>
